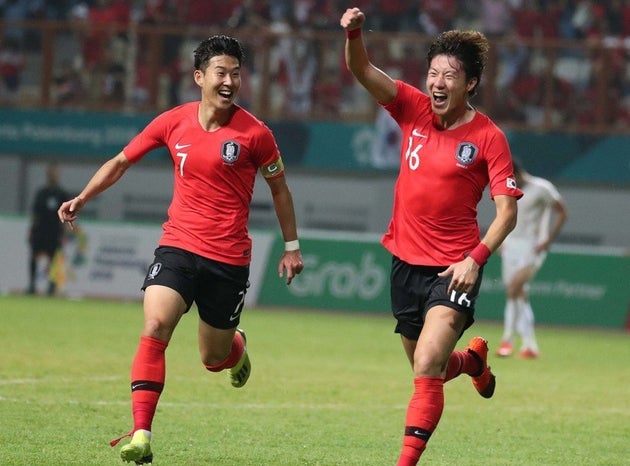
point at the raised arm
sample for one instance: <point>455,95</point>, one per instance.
<point>375,81</point>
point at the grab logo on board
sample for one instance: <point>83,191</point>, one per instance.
<point>364,280</point>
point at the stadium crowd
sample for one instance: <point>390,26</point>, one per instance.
<point>551,18</point>
<point>304,69</point>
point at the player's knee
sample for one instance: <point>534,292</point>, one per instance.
<point>213,360</point>
<point>426,365</point>
<point>155,328</point>
<point>514,289</point>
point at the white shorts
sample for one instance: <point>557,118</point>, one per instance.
<point>516,255</point>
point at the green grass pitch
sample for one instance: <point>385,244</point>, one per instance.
<point>326,389</point>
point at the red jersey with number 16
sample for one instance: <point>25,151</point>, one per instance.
<point>214,175</point>
<point>443,174</point>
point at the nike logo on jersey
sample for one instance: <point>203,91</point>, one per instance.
<point>179,146</point>
<point>415,132</point>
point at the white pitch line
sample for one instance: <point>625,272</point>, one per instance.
<point>213,405</point>
<point>33,381</point>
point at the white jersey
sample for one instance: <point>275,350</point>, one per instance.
<point>532,227</point>
<point>534,210</point>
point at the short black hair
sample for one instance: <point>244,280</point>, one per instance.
<point>214,46</point>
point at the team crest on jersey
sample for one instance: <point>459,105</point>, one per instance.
<point>466,153</point>
<point>230,151</point>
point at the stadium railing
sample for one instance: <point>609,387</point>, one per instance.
<point>529,84</point>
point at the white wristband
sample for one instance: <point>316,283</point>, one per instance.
<point>292,245</point>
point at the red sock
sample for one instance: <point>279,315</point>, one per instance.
<point>236,351</point>
<point>461,362</point>
<point>148,373</point>
<point>423,414</point>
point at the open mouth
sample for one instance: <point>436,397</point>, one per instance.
<point>226,94</point>
<point>439,98</point>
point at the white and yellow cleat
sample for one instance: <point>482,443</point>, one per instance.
<point>240,373</point>
<point>139,449</point>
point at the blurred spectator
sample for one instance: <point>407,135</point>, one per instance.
<point>281,23</point>
<point>100,20</point>
<point>324,14</point>
<point>496,17</point>
<point>414,70</point>
<point>21,10</point>
<point>625,14</point>
<point>306,74</point>
<point>468,15</point>
<point>104,45</point>
<point>12,63</point>
<point>588,19</point>
<point>205,12</point>
<point>511,55</point>
<point>46,231</point>
<point>614,17</point>
<point>523,101</point>
<point>68,88</point>
<point>172,67</point>
<point>538,18</point>
<point>301,65</point>
<point>177,69</point>
<point>114,92</point>
<point>435,16</point>
<point>154,12</point>
<point>251,14</point>
<point>327,94</point>
<point>396,15</point>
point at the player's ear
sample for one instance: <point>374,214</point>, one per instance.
<point>471,84</point>
<point>198,76</point>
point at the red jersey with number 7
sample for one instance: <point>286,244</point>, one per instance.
<point>442,176</point>
<point>214,175</point>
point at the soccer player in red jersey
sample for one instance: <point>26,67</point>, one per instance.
<point>450,152</point>
<point>203,256</point>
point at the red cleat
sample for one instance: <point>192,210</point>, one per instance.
<point>485,381</point>
<point>528,353</point>
<point>505,349</point>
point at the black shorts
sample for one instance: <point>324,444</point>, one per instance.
<point>217,288</point>
<point>46,243</point>
<point>415,289</point>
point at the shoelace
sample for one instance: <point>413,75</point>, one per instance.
<point>114,442</point>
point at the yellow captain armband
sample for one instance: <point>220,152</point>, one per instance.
<point>273,169</point>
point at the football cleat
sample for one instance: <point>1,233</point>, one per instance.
<point>240,372</point>
<point>484,381</point>
<point>139,449</point>
<point>528,353</point>
<point>505,349</point>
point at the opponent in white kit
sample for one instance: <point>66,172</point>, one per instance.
<point>523,253</point>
